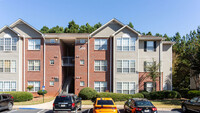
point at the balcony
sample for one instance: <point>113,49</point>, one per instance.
<point>67,61</point>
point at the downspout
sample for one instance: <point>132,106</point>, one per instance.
<point>171,70</point>
<point>160,66</point>
<point>24,62</point>
<point>44,52</point>
<point>110,63</point>
<point>88,62</point>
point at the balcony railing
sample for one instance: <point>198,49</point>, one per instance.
<point>67,61</point>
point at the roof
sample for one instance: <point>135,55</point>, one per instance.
<point>66,35</point>
<point>10,29</point>
<point>20,20</point>
<point>126,26</point>
<point>149,37</point>
<point>120,23</point>
<point>168,42</point>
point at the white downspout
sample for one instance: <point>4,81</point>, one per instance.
<point>110,62</point>
<point>44,52</point>
<point>24,62</point>
<point>88,85</point>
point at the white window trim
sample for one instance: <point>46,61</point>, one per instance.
<point>34,65</point>
<point>128,65</point>
<point>82,41</point>
<point>11,65</point>
<point>34,45</point>
<point>129,43</point>
<point>101,44</point>
<point>83,62</point>
<point>11,45</point>
<point>10,84</point>
<point>150,46</point>
<point>101,65</point>
<point>50,83</point>
<point>83,83</point>
<point>100,85</point>
<point>34,85</point>
<point>128,84</point>
<point>51,62</point>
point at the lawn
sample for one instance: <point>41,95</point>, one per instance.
<point>36,100</point>
<point>157,103</point>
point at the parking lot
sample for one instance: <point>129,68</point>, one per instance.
<point>82,111</point>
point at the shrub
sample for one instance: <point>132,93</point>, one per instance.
<point>87,93</point>
<point>183,92</point>
<point>20,96</point>
<point>119,96</point>
<point>193,93</point>
<point>40,92</point>
<point>30,87</point>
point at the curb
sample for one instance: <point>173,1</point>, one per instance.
<point>28,108</point>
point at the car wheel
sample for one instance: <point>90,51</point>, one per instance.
<point>10,106</point>
<point>184,109</point>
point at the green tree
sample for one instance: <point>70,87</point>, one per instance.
<point>159,35</point>
<point>130,25</point>
<point>72,27</point>
<point>153,73</point>
<point>98,25</point>
<point>44,29</point>
<point>56,29</point>
<point>149,33</point>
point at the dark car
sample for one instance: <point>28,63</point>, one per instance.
<point>67,102</point>
<point>191,105</point>
<point>6,102</point>
<point>136,105</point>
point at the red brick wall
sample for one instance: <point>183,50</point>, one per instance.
<point>99,55</point>
<point>80,70</point>
<point>143,78</point>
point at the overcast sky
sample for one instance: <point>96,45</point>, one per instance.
<point>157,16</point>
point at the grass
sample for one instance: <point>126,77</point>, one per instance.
<point>36,100</point>
<point>157,103</point>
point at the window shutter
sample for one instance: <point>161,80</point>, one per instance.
<point>145,86</point>
<point>145,64</point>
<point>145,46</point>
<point>154,45</point>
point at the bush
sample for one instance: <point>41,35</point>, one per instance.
<point>40,92</point>
<point>146,94</point>
<point>20,96</point>
<point>119,96</point>
<point>184,93</point>
<point>87,93</point>
<point>193,93</point>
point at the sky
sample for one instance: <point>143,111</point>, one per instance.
<point>157,16</point>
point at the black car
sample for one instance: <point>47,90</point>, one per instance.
<point>191,105</point>
<point>137,105</point>
<point>67,102</point>
<point>6,102</point>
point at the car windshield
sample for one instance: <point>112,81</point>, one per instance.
<point>143,103</point>
<point>105,102</point>
<point>63,99</point>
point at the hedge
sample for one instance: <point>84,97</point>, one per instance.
<point>87,93</point>
<point>20,96</point>
<point>193,93</point>
<point>161,95</point>
<point>41,92</point>
<point>119,96</point>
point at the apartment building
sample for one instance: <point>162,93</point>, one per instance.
<point>111,59</point>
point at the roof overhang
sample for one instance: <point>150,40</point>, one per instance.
<point>126,26</point>
<point>7,27</point>
<point>149,38</point>
<point>66,35</point>
<point>168,42</point>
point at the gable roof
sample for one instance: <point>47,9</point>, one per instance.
<point>113,20</point>
<point>20,20</point>
<point>10,29</point>
<point>125,26</point>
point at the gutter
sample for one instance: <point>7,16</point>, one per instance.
<point>24,62</point>
<point>88,62</point>
<point>110,63</point>
<point>44,52</point>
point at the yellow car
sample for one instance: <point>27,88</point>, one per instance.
<point>104,105</point>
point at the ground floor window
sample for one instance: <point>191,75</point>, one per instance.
<point>35,84</point>
<point>126,87</point>
<point>7,86</point>
<point>100,86</point>
<point>148,86</point>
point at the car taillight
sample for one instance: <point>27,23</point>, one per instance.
<point>97,108</point>
<point>53,104</point>
<point>73,104</point>
<point>154,109</point>
<point>113,108</point>
<point>12,97</point>
<point>138,109</point>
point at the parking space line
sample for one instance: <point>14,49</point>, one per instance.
<point>41,111</point>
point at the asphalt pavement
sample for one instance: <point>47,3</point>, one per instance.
<point>82,111</point>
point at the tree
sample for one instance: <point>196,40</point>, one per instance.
<point>153,73</point>
<point>98,25</point>
<point>149,33</point>
<point>56,29</point>
<point>72,27</point>
<point>159,35</point>
<point>44,29</point>
<point>167,38</point>
<point>130,25</point>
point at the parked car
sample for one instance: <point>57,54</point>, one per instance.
<point>191,105</point>
<point>136,105</point>
<point>104,105</point>
<point>67,102</point>
<point>6,102</point>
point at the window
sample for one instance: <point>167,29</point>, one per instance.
<point>1,65</point>
<point>1,44</point>
<point>82,62</point>
<point>14,44</point>
<point>82,83</point>
<point>100,65</point>
<point>34,44</point>
<point>8,43</point>
<point>34,65</point>
<point>126,66</point>
<point>8,66</point>
<point>52,41</point>
<point>126,87</point>
<point>35,84</point>
<point>82,41</point>
<point>51,62</point>
<point>148,86</point>
<point>149,46</point>
<point>7,86</point>
<point>51,83</point>
<point>100,86</point>
<point>146,65</point>
<point>100,44</point>
<point>126,44</point>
